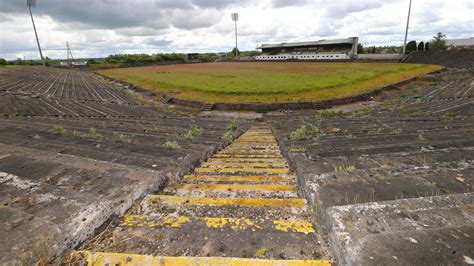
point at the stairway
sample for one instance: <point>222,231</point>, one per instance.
<point>207,106</point>
<point>239,208</point>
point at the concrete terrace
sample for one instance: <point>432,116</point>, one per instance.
<point>75,151</point>
<point>91,174</point>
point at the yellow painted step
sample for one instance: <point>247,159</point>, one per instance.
<point>218,170</point>
<point>289,226</point>
<point>220,155</point>
<point>245,164</point>
<point>248,160</point>
<point>240,178</point>
<point>238,187</point>
<point>250,152</point>
<point>242,202</point>
<point>101,258</point>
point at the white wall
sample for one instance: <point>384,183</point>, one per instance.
<point>302,57</point>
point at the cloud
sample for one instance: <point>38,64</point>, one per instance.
<point>101,27</point>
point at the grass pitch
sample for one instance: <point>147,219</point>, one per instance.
<point>267,82</point>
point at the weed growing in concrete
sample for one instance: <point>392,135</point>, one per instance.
<point>193,132</point>
<point>329,114</point>
<point>261,252</point>
<point>314,207</point>
<point>231,131</point>
<point>228,136</point>
<point>306,132</point>
<point>297,149</point>
<point>344,169</point>
<point>390,104</point>
<point>93,134</point>
<point>450,114</point>
<point>410,93</point>
<point>171,145</point>
<point>58,129</point>
<point>119,136</point>
<point>233,126</point>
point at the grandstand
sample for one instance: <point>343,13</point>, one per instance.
<point>339,49</point>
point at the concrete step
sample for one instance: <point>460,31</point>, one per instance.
<point>242,224</point>
<point>236,190</point>
<point>435,230</point>
<point>242,171</point>
<point>240,202</point>
<point>241,179</point>
<point>104,258</point>
<point>245,164</point>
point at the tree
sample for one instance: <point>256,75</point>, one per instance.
<point>439,42</point>
<point>360,49</point>
<point>233,51</point>
<point>421,46</point>
<point>427,46</point>
<point>3,62</point>
<point>411,47</point>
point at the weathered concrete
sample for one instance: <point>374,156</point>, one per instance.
<point>423,231</point>
<point>410,144</point>
<point>214,218</point>
<point>60,194</point>
<point>75,152</point>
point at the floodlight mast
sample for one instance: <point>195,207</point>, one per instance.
<point>406,31</point>
<point>235,18</point>
<point>32,3</point>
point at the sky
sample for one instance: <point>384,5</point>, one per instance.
<point>97,28</point>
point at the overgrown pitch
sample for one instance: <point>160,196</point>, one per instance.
<point>267,81</point>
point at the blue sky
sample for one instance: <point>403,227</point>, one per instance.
<point>96,28</point>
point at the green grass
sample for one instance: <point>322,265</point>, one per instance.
<point>171,145</point>
<point>267,81</point>
<point>192,132</point>
<point>306,132</point>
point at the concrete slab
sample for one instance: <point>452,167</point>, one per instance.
<point>435,230</point>
<point>62,204</point>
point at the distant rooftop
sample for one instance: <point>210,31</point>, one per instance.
<point>311,43</point>
<point>461,42</point>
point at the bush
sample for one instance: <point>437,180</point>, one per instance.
<point>3,62</point>
<point>411,47</point>
<point>421,46</point>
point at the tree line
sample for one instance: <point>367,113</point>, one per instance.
<point>439,42</point>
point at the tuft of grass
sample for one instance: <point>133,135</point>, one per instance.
<point>93,134</point>
<point>193,131</point>
<point>306,132</point>
<point>171,145</point>
<point>231,131</point>
<point>59,130</point>
<point>297,149</point>
<point>450,114</point>
<point>120,136</point>
<point>261,252</point>
<point>233,126</point>
<point>228,136</point>
<point>344,169</point>
<point>329,114</point>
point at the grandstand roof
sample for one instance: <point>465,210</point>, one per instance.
<point>311,43</point>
